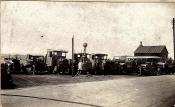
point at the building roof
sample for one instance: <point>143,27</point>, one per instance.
<point>150,49</point>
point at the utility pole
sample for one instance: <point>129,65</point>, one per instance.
<point>174,36</point>
<point>72,56</point>
<point>84,52</point>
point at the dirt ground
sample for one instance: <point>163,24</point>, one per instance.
<point>115,91</point>
<point>22,81</point>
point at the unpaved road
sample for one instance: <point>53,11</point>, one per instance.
<point>150,91</point>
<point>24,81</point>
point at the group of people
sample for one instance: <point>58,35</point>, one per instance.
<point>89,67</point>
<point>83,67</point>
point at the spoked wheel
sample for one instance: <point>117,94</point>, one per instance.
<point>158,72</point>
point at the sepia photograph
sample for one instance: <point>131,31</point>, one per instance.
<point>87,54</point>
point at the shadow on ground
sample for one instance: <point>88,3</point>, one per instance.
<point>80,103</point>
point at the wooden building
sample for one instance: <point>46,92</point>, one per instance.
<point>160,51</point>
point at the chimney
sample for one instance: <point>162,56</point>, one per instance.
<point>141,43</point>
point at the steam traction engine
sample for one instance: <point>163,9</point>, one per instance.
<point>56,61</point>
<point>87,66</point>
<point>98,63</point>
<point>33,64</point>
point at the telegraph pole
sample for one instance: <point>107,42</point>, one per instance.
<point>174,36</point>
<point>72,56</point>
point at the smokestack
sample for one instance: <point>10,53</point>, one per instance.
<point>141,43</point>
<point>73,55</point>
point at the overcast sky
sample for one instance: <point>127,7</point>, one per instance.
<point>112,28</point>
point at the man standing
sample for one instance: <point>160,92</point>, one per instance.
<point>80,67</point>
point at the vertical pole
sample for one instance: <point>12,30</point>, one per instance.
<point>84,54</point>
<point>174,36</point>
<point>72,55</point>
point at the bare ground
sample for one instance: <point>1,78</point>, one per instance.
<point>121,91</point>
<point>22,81</point>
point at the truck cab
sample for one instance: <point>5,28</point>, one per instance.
<point>54,58</point>
<point>98,64</point>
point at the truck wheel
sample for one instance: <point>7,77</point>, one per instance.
<point>158,72</point>
<point>28,70</point>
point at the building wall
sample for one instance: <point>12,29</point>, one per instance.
<point>147,54</point>
<point>164,55</point>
